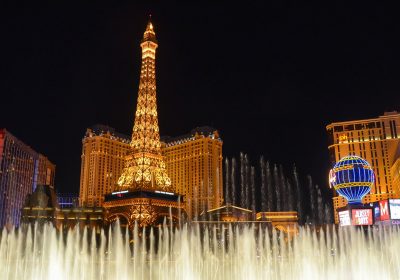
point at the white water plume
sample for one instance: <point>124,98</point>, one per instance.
<point>248,252</point>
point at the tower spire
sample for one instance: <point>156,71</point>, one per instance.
<point>149,34</point>
<point>144,166</point>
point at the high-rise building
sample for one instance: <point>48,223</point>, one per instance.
<point>144,193</point>
<point>102,160</point>
<point>21,170</point>
<point>194,164</point>
<point>376,140</point>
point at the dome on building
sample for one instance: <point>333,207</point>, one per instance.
<point>352,177</point>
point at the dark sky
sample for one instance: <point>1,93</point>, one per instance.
<point>270,77</point>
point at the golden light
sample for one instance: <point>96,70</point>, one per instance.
<point>146,166</point>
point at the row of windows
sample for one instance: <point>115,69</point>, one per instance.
<point>191,145</point>
<point>359,126</point>
<point>390,127</point>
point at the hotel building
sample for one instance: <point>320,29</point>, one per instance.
<point>102,160</point>
<point>194,164</point>
<point>377,141</point>
<point>21,170</point>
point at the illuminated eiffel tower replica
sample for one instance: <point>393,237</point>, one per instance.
<point>144,193</point>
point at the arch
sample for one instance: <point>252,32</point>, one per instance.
<point>121,217</point>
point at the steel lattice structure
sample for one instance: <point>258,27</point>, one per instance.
<point>144,195</point>
<point>145,168</point>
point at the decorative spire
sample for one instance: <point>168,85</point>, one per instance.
<point>149,34</point>
<point>144,166</point>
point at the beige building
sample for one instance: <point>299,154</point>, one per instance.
<point>377,141</point>
<point>194,164</point>
<point>102,161</point>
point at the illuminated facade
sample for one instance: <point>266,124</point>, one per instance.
<point>102,161</point>
<point>144,165</point>
<point>377,141</point>
<point>395,171</point>
<point>194,163</point>
<point>144,193</point>
<point>21,170</point>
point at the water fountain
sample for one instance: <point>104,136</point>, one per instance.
<point>268,189</point>
<point>248,252</point>
<point>211,251</point>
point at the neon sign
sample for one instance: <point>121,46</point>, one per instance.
<point>344,218</point>
<point>394,205</point>
<point>352,177</point>
<point>384,210</point>
<point>361,217</point>
<point>342,137</point>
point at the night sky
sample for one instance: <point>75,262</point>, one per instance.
<point>269,77</point>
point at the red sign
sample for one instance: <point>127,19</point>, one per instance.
<point>384,210</point>
<point>361,217</point>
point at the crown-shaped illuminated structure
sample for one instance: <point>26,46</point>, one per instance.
<point>144,167</point>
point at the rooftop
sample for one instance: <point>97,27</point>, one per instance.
<point>206,131</point>
<point>386,115</point>
<point>100,129</point>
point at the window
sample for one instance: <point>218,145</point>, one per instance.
<point>349,127</point>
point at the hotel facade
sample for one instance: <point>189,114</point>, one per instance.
<point>21,170</point>
<point>193,160</point>
<point>376,140</point>
<point>102,160</point>
<point>194,164</point>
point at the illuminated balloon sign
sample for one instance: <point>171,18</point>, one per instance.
<point>352,177</point>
